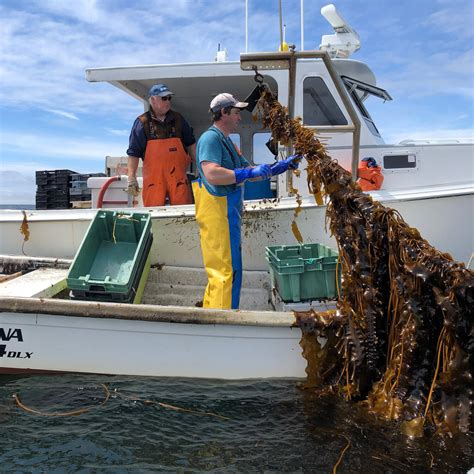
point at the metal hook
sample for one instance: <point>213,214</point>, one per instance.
<point>258,77</point>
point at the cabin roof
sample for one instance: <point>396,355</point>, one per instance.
<point>195,84</point>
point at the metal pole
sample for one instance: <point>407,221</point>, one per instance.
<point>302,25</point>
<point>343,94</point>
<point>246,26</point>
<point>285,61</point>
<point>281,26</point>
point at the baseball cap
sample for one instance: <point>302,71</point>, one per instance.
<point>226,100</point>
<point>160,90</point>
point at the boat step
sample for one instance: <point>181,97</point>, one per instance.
<point>182,286</point>
<point>190,295</point>
<point>197,276</point>
<point>40,283</point>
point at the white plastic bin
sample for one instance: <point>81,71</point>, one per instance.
<point>116,195</point>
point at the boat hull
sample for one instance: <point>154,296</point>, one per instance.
<point>148,341</point>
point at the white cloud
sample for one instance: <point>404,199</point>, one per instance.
<point>53,146</point>
<point>62,113</point>
<point>47,49</point>
<point>83,10</point>
<point>456,19</point>
<point>118,133</point>
<point>426,74</point>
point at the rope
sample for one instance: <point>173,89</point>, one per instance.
<point>107,396</point>
<point>334,469</point>
<point>67,413</point>
<point>172,407</point>
<point>121,216</point>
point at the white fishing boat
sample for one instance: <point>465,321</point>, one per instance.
<point>168,335</point>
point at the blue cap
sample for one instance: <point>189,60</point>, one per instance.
<point>160,90</point>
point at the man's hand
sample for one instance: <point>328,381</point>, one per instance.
<point>133,189</point>
<point>281,166</point>
<point>260,171</point>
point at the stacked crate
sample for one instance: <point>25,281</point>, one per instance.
<point>79,190</point>
<point>304,272</point>
<point>52,190</point>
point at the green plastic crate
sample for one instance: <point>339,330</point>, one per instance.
<point>303,272</point>
<point>111,252</point>
<point>113,296</point>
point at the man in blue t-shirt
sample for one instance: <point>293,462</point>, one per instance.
<point>218,194</point>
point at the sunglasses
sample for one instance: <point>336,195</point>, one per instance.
<point>164,99</point>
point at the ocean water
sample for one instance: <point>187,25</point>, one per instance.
<point>18,206</point>
<point>189,425</point>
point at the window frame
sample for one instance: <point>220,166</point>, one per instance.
<point>336,120</point>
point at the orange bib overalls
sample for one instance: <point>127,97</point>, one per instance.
<point>164,173</point>
<point>370,177</point>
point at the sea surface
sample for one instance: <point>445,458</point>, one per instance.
<point>138,424</point>
<point>18,206</point>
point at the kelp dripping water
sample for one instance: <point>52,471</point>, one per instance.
<point>402,338</point>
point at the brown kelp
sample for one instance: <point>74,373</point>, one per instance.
<point>402,338</point>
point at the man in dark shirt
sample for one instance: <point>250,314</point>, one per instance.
<point>165,142</point>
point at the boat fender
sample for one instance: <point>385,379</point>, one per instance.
<point>369,174</point>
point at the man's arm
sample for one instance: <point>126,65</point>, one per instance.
<point>132,166</point>
<point>133,189</point>
<point>218,175</point>
<point>136,149</point>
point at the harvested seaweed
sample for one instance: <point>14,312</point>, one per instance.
<point>402,338</point>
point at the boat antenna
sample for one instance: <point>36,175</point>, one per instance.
<point>246,26</point>
<point>302,24</point>
<point>281,25</point>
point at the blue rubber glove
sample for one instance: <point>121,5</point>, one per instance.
<point>260,171</point>
<point>281,166</point>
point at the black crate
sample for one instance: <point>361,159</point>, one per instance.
<point>54,205</point>
<point>79,191</point>
<point>57,195</point>
<point>53,181</point>
<point>51,177</point>
<point>58,173</point>
<point>52,189</point>
<point>80,197</point>
<point>52,199</point>
<point>78,185</point>
<point>85,176</point>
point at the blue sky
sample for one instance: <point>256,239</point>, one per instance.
<point>51,118</point>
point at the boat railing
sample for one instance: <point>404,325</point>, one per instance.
<point>288,60</point>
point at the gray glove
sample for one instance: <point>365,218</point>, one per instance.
<point>133,189</point>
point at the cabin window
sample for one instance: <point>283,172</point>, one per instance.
<point>261,153</point>
<point>319,106</point>
<point>396,162</point>
<point>365,114</point>
<point>359,91</point>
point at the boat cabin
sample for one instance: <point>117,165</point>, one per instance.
<point>315,98</point>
